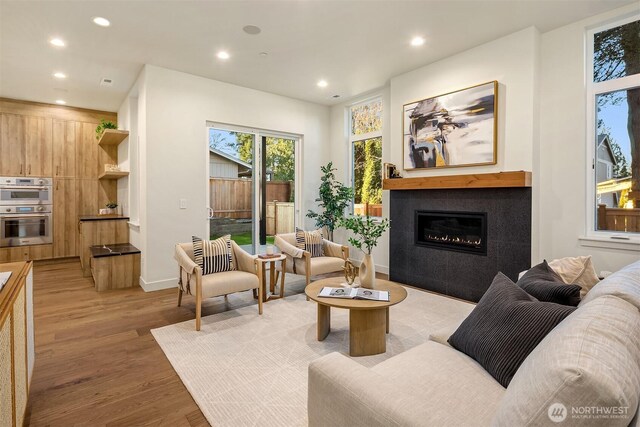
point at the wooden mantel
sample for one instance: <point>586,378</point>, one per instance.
<point>477,180</point>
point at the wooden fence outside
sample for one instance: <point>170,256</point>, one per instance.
<point>362,208</point>
<point>617,219</point>
<point>230,197</point>
<point>280,218</point>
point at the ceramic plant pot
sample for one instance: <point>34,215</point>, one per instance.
<point>367,272</point>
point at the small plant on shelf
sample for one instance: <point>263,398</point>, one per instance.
<point>111,205</point>
<point>104,125</point>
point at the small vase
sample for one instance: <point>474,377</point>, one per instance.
<point>367,272</point>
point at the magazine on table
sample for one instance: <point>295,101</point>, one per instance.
<point>354,293</point>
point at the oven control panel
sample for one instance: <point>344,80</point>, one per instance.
<point>31,209</point>
<point>25,182</point>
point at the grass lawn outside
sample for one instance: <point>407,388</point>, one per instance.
<point>245,239</point>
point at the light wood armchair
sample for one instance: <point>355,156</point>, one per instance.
<point>247,276</point>
<point>300,261</point>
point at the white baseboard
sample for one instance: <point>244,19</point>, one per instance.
<point>384,269</point>
<point>158,284</point>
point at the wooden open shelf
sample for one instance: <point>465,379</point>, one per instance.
<point>478,180</point>
<point>113,175</point>
<point>112,137</point>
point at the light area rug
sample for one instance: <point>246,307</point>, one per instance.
<point>243,369</point>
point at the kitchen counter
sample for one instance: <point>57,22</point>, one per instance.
<point>99,251</point>
<point>102,217</point>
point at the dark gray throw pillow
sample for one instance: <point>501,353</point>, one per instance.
<point>505,326</point>
<point>544,284</point>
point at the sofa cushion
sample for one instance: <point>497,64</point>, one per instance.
<point>320,265</point>
<point>454,386</point>
<point>310,241</point>
<point>226,282</point>
<point>544,284</point>
<point>576,270</point>
<point>505,326</point>
<point>624,284</point>
<point>591,360</point>
<point>213,256</point>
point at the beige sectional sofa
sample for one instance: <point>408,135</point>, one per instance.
<point>585,372</point>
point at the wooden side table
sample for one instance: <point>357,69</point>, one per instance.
<point>272,276</point>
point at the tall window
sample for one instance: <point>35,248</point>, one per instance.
<point>365,137</point>
<point>614,102</point>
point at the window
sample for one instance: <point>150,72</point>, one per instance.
<point>613,91</point>
<point>365,137</point>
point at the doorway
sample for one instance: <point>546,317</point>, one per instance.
<point>252,185</point>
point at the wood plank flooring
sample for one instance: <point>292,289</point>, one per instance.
<point>97,364</point>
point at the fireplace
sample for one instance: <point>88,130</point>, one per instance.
<point>452,231</point>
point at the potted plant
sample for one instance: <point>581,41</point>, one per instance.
<point>334,198</point>
<point>112,208</point>
<point>104,125</point>
<point>366,232</point>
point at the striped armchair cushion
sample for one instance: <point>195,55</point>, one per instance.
<point>213,256</point>
<point>310,241</point>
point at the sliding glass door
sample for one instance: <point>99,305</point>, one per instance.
<point>252,185</point>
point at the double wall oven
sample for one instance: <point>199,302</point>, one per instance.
<point>25,211</point>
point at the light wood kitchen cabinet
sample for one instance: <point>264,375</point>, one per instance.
<point>86,151</point>
<point>38,147</point>
<point>38,252</point>
<point>12,145</point>
<point>14,254</point>
<point>65,219</point>
<point>26,253</point>
<point>64,149</point>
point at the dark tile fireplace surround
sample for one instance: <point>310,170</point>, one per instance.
<point>454,241</point>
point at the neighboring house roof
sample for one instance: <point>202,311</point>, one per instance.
<point>603,139</point>
<point>230,157</point>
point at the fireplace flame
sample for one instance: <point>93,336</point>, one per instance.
<point>455,239</point>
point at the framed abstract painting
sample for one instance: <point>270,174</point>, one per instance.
<point>452,130</point>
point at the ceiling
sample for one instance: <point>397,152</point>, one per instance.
<point>356,46</point>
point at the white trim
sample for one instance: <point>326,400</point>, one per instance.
<point>608,241</point>
<point>352,139</point>
<point>158,285</point>
<point>592,90</point>
<point>257,171</point>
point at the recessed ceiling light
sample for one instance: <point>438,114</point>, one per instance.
<point>61,101</point>
<point>57,42</point>
<point>323,83</point>
<point>417,41</point>
<point>223,55</point>
<point>59,75</point>
<point>103,22</point>
<point>251,29</point>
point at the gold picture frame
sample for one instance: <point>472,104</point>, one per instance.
<point>455,129</point>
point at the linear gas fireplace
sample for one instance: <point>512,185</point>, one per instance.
<point>452,231</point>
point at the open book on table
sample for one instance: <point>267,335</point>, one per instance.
<point>354,293</point>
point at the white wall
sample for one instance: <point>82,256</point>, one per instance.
<point>509,60</point>
<point>563,145</point>
<point>174,159</point>
<point>132,117</point>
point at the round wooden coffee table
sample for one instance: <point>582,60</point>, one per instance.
<point>368,320</point>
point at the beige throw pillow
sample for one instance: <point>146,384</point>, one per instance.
<point>576,271</point>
